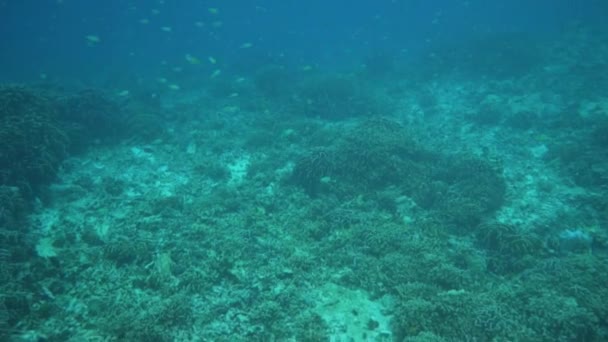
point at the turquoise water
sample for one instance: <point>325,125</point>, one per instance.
<point>49,37</point>
<point>303,171</point>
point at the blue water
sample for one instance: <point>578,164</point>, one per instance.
<point>310,171</point>
<point>48,37</point>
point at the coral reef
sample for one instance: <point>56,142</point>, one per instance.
<point>335,97</point>
<point>378,153</point>
<point>91,116</point>
<point>475,211</point>
<point>34,143</point>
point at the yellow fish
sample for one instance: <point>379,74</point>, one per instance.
<point>92,39</point>
<point>192,60</point>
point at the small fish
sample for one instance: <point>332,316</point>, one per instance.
<point>216,73</point>
<point>144,21</point>
<point>92,39</point>
<point>123,93</point>
<point>199,24</point>
<point>173,86</point>
<point>213,10</point>
<point>217,24</point>
<point>161,80</point>
<point>246,45</point>
<point>166,28</point>
<point>192,60</point>
<point>212,60</point>
<point>307,68</point>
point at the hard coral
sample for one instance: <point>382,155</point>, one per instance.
<point>378,153</point>
<point>33,143</point>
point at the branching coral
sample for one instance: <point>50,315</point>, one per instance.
<point>33,142</point>
<point>378,153</point>
<point>312,167</point>
<point>504,238</point>
<point>90,115</point>
<point>336,97</point>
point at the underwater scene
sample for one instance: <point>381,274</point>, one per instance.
<point>303,171</point>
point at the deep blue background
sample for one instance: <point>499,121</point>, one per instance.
<point>48,37</point>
